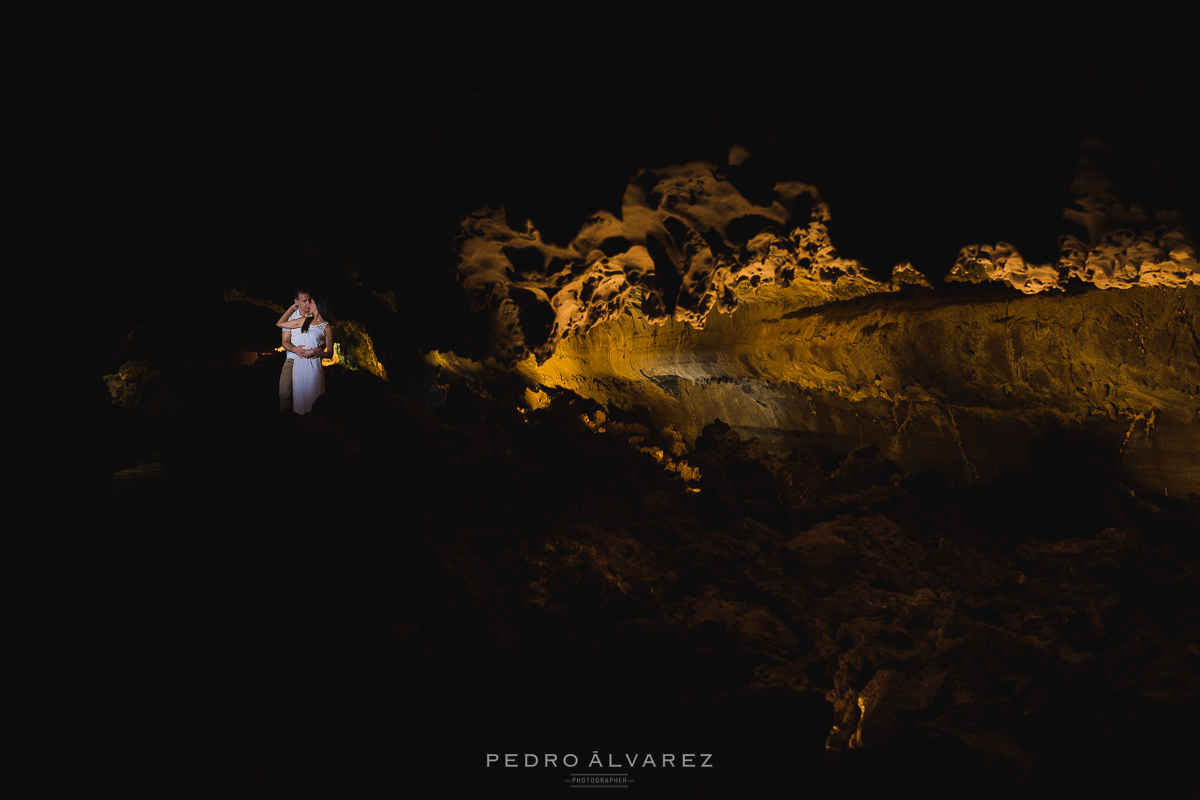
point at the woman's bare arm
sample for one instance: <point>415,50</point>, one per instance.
<point>287,313</point>
<point>286,323</point>
<point>290,324</point>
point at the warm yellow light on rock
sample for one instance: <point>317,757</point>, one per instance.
<point>536,399</point>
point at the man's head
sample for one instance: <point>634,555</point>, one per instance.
<point>304,301</point>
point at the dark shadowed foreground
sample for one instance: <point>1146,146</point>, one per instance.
<point>436,584</point>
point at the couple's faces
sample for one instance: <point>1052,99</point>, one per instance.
<point>304,303</point>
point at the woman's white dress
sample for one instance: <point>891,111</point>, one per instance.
<point>308,377</point>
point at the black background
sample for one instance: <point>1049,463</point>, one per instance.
<point>158,164</point>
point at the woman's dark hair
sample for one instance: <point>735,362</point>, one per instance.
<point>322,310</point>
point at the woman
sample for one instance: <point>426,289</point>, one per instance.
<point>313,336</point>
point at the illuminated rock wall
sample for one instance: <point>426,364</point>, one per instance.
<point>811,353</point>
<point>935,382</point>
<point>685,236</point>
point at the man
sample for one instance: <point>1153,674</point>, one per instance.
<point>302,306</point>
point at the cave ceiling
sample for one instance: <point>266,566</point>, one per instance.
<point>951,266</point>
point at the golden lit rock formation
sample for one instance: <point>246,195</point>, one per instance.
<point>685,235</point>
<point>694,244</point>
<point>821,357</point>
<point>1111,245</point>
<point>965,387</point>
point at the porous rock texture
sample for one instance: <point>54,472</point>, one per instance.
<point>685,234</point>
<point>1104,241</point>
<point>810,353</point>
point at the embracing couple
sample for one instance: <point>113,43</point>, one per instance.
<point>307,338</point>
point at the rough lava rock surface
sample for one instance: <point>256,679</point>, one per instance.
<point>685,235</point>
<point>813,354</point>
